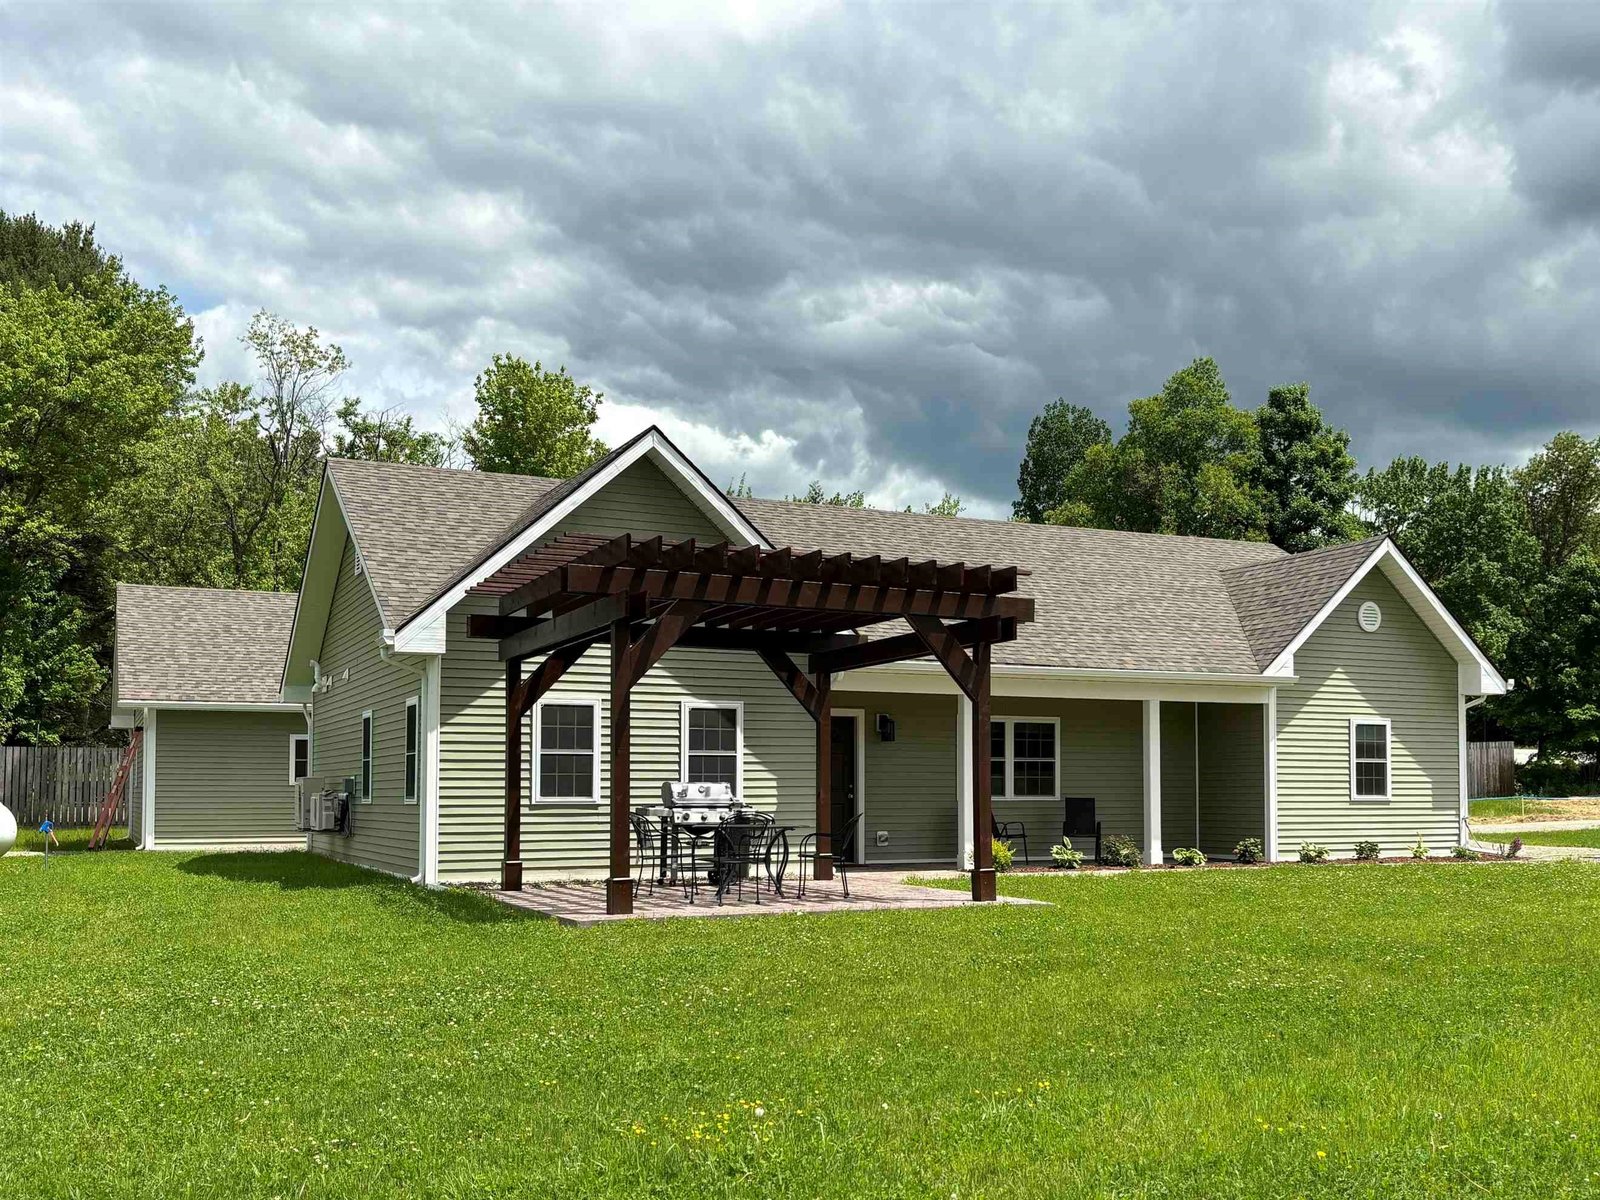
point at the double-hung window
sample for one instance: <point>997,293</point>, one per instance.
<point>1369,758</point>
<point>1024,757</point>
<point>413,735</point>
<point>366,755</point>
<point>566,739</point>
<point>713,743</point>
<point>299,756</point>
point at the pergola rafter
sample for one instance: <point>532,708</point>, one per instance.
<point>646,596</point>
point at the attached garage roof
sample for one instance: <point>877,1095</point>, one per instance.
<point>200,645</point>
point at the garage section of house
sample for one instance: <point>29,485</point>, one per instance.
<point>199,671</point>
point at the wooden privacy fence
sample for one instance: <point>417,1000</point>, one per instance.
<point>68,784</point>
<point>1491,769</point>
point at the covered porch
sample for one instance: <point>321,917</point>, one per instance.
<point>642,597</point>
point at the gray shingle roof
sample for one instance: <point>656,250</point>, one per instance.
<point>208,645</point>
<point>1276,599</point>
<point>1106,600</point>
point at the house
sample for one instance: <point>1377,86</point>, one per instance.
<point>1196,691</point>
<point>200,670</point>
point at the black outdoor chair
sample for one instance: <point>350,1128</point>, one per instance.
<point>1004,831</point>
<point>646,850</point>
<point>739,851</point>
<point>843,843</point>
<point>689,853</point>
<point>1078,820</point>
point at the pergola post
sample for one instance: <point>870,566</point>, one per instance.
<point>982,780</point>
<point>619,881</point>
<point>824,723</point>
<point>511,857</point>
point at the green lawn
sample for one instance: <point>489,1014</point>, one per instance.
<point>275,1025</point>
<point>1549,837</point>
<point>1513,807</point>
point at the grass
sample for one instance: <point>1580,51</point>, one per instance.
<point>1548,837</point>
<point>69,841</point>
<point>1516,807</point>
<point>277,1025</point>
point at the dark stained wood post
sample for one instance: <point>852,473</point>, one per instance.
<point>982,758</point>
<point>619,883</point>
<point>511,861</point>
<point>824,716</point>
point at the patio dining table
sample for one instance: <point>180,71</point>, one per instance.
<point>775,860</point>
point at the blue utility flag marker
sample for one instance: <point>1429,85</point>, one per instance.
<point>49,831</point>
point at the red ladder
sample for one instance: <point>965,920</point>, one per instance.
<point>119,787</point>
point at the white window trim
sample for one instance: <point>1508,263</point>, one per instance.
<point>1388,760</point>
<point>536,739</point>
<point>1010,721</point>
<point>413,767</point>
<point>369,761</point>
<point>294,740</point>
<point>683,738</point>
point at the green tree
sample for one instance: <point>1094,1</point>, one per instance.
<point>1465,531</point>
<point>90,364</point>
<point>1186,465</point>
<point>532,421</point>
<point>814,494</point>
<point>948,505</point>
<point>1305,472</point>
<point>1058,439</point>
<point>1555,658</point>
<point>387,435</point>
<point>1560,487</point>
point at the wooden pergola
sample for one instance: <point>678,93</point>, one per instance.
<point>645,596</point>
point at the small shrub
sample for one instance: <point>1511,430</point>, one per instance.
<point>1002,855</point>
<point>1419,848</point>
<point>1188,856</point>
<point>1515,848</point>
<point>1313,852</point>
<point>1120,850</point>
<point>1065,856</point>
<point>1367,851</point>
<point>1250,850</point>
<point>1465,853</point>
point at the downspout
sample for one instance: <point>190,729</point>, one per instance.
<point>428,797</point>
<point>1466,828</point>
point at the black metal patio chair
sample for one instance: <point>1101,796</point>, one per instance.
<point>646,850</point>
<point>1078,820</point>
<point>843,843</point>
<point>739,852</point>
<point>1005,831</point>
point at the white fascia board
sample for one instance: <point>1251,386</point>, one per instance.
<point>1070,683</point>
<point>274,706</point>
<point>1477,674</point>
<point>425,632</point>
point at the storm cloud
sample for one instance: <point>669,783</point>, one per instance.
<point>855,242</point>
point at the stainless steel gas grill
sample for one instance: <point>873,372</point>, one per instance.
<point>696,803</point>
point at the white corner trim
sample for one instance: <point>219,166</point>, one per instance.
<point>1151,744</point>
<point>147,803</point>
<point>418,632</point>
<point>1388,760</point>
<point>432,675</point>
<point>1270,767</point>
<point>684,707</point>
<point>1465,651</point>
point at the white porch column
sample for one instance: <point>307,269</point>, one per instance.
<point>964,843</point>
<point>1152,783</point>
<point>1269,716</point>
<point>147,805</point>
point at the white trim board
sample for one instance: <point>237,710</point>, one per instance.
<point>1476,674</point>
<point>424,633</point>
<point>147,801</point>
<point>864,838</point>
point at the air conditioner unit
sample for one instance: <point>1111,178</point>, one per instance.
<point>322,805</point>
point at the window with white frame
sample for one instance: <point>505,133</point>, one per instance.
<point>413,738</point>
<point>1369,758</point>
<point>366,755</point>
<point>713,742</point>
<point>566,740</point>
<point>299,757</point>
<point>1024,756</point>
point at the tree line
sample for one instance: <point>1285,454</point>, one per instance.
<point>1513,553</point>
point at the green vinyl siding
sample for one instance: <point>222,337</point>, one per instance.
<point>643,501</point>
<point>909,783</point>
<point>1232,776</point>
<point>385,832</point>
<point>1400,672</point>
<point>570,837</point>
<point>1180,799</point>
<point>222,778</point>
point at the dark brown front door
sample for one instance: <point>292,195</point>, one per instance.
<point>842,735</point>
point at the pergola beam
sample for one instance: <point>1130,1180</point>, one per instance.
<point>912,645</point>
<point>579,625</point>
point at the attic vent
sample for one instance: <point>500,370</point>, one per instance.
<point>1370,616</point>
<point>359,567</point>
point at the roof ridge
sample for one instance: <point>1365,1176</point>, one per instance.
<point>195,587</point>
<point>389,464</point>
<point>1303,556</point>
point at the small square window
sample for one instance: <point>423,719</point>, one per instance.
<point>566,738</point>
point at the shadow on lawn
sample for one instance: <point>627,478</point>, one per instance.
<point>293,871</point>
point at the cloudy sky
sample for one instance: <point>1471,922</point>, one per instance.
<point>865,243</point>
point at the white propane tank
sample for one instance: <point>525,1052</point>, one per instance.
<point>8,830</point>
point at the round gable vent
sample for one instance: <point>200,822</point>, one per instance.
<point>1370,616</point>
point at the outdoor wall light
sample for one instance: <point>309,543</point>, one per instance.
<point>885,727</point>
